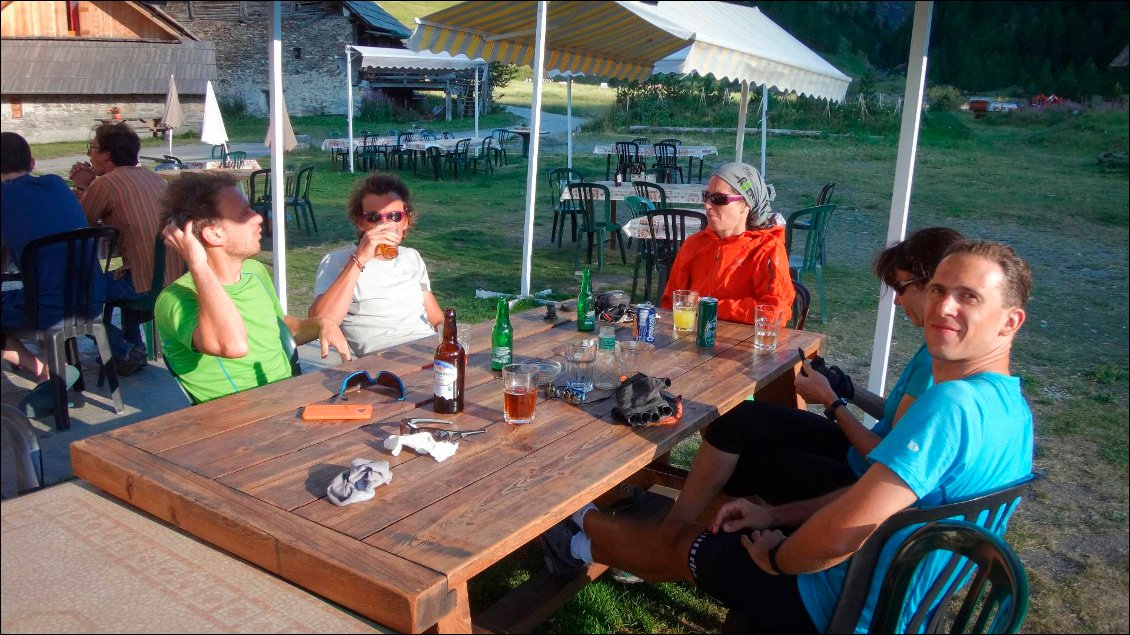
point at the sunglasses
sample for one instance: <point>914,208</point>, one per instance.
<point>380,217</point>
<point>407,427</point>
<point>90,147</point>
<point>362,379</point>
<point>901,287</point>
<point>718,198</point>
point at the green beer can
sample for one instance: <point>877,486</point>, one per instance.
<point>707,321</point>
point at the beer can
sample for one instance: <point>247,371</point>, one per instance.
<point>707,321</point>
<point>645,322</point>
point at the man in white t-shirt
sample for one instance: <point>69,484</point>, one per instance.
<point>378,291</point>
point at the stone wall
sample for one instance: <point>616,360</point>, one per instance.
<point>51,118</point>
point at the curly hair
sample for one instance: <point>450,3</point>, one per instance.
<point>918,254</point>
<point>379,184</point>
<point>192,197</point>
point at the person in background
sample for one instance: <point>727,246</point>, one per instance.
<point>219,323</point>
<point>740,258</point>
<point>380,300</point>
<point>969,434</point>
<point>33,207</point>
<point>116,191</point>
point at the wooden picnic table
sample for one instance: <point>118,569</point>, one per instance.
<point>248,475</point>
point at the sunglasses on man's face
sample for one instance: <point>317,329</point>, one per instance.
<point>380,217</point>
<point>718,198</point>
<point>362,379</point>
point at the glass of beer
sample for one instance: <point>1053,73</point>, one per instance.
<point>519,393</point>
<point>766,325</point>
<point>684,303</point>
<point>388,251</point>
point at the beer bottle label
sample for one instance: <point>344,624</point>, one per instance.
<point>445,376</point>
<point>499,357</point>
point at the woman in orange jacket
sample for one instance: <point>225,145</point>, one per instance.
<point>740,258</point>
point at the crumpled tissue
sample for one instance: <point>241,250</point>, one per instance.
<point>423,443</point>
<point>359,482</point>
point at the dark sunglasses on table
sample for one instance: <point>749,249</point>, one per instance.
<point>718,198</point>
<point>362,379</point>
<point>901,287</point>
<point>380,217</point>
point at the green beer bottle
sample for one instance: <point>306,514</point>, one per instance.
<point>501,337</point>
<point>586,303</point>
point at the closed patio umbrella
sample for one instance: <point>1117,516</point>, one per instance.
<point>212,131</point>
<point>174,114</point>
<point>290,142</point>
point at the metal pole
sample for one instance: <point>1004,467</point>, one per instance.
<point>904,180</point>
<point>278,169</point>
<point>349,103</point>
<point>764,122</point>
<point>743,107</point>
<point>535,146</point>
<point>477,103</point>
<point>569,117</point>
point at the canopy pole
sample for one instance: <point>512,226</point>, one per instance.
<point>349,103</point>
<point>535,146</point>
<point>764,122</point>
<point>904,178</point>
<point>743,109</point>
<point>569,118</point>
<point>278,171</point>
<point>477,102</point>
<point>447,99</point>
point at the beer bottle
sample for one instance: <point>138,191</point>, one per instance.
<point>501,337</point>
<point>586,303</point>
<point>450,365</point>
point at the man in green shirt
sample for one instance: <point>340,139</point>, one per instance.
<point>218,323</point>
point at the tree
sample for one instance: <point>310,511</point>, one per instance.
<point>1089,82</point>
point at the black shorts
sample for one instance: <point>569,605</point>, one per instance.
<point>786,454</point>
<point>723,570</point>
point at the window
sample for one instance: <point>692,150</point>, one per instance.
<point>72,17</point>
<point>17,108</point>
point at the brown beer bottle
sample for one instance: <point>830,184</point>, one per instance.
<point>450,366</point>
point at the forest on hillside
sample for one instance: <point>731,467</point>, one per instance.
<point>992,47</point>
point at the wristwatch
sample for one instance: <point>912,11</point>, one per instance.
<point>830,411</point>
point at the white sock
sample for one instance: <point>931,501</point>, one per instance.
<point>579,515</point>
<point>580,547</point>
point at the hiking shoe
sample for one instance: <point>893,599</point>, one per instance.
<point>555,546</point>
<point>625,577</point>
<point>41,400</point>
<point>134,361</point>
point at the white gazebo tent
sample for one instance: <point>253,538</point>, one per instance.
<point>400,60</point>
<point>742,44</point>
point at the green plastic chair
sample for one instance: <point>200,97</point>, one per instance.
<point>651,191</point>
<point>144,305</point>
<point>639,206</point>
<point>810,262</point>
<point>559,178</point>
<point>592,225</point>
<point>235,159</point>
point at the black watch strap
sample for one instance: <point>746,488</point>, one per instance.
<point>830,411</point>
<point>773,560</point>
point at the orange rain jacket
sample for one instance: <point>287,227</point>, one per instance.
<point>741,271</point>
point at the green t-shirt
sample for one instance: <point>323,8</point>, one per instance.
<point>206,377</point>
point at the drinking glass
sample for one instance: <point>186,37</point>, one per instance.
<point>766,324</point>
<point>685,305</point>
<point>519,393</point>
<point>636,356</point>
<point>580,357</point>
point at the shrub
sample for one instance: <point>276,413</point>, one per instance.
<point>944,98</point>
<point>232,107</point>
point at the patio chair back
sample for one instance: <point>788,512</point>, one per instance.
<point>672,225</point>
<point>651,191</point>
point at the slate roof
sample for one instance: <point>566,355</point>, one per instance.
<point>68,66</point>
<point>378,19</point>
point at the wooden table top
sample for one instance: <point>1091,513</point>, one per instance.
<point>247,474</point>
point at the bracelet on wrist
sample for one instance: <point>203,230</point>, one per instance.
<point>353,257</point>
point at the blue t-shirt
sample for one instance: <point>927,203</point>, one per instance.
<point>915,379</point>
<point>34,207</point>
<point>959,439</point>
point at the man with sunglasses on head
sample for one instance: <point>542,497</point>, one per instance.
<point>116,191</point>
<point>740,258</point>
<point>220,321</point>
<point>379,290</point>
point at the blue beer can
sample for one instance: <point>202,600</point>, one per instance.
<point>707,321</point>
<point>645,322</point>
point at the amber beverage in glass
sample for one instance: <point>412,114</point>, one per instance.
<point>519,393</point>
<point>388,251</point>
<point>450,366</point>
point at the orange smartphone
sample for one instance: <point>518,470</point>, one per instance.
<point>349,412</point>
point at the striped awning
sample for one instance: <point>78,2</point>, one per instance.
<point>615,40</point>
<point>741,43</point>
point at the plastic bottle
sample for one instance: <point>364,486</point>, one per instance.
<point>501,337</point>
<point>450,365</point>
<point>608,367</point>
<point>586,303</point>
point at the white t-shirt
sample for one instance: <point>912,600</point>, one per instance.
<point>388,302</point>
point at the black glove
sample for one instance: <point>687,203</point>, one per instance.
<point>640,400</point>
<point>836,377</point>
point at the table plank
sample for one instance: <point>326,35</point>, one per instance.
<point>391,590</point>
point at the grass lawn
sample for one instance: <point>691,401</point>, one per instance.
<point>1028,179</point>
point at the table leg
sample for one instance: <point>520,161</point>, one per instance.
<point>782,390</point>
<point>607,166</point>
<point>459,619</point>
<point>525,146</point>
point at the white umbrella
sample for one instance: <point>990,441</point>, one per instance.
<point>213,131</point>
<point>289,141</point>
<point>174,115</point>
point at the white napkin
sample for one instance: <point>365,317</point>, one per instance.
<point>359,482</point>
<point>423,443</point>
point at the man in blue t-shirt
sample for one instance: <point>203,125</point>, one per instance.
<point>970,433</point>
<point>33,207</point>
